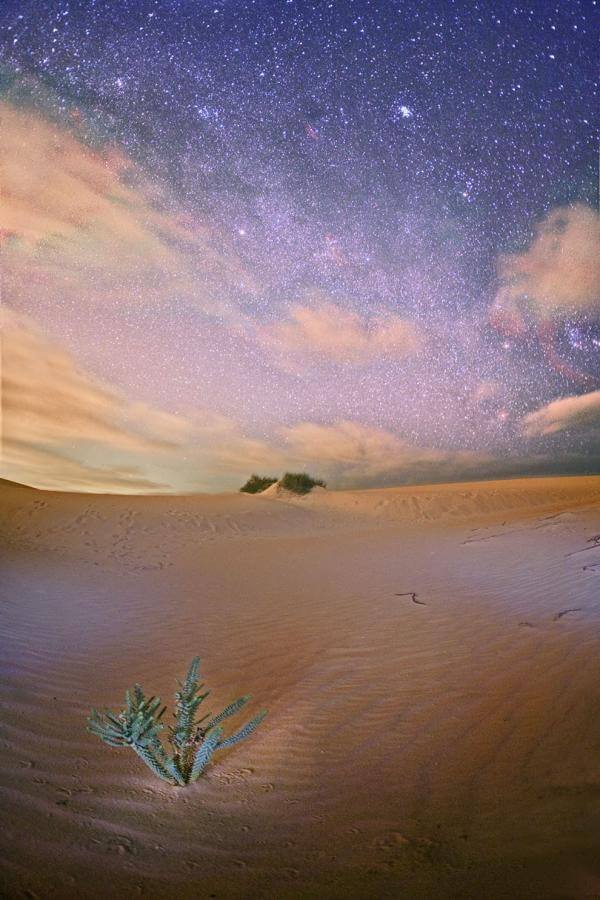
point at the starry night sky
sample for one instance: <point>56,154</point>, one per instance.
<point>366,235</point>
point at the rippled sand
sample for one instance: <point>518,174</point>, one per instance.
<point>448,747</point>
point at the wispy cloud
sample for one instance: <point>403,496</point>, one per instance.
<point>557,276</point>
<point>84,226</point>
<point>350,454</point>
<point>323,331</point>
<point>581,412</point>
<point>63,429</point>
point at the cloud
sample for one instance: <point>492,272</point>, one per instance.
<point>83,226</point>
<point>58,423</point>
<point>576,412</point>
<point>62,429</point>
<point>557,277</point>
<point>222,456</point>
<point>43,468</point>
<point>350,454</point>
<point>326,331</point>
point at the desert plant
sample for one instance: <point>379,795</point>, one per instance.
<point>256,484</point>
<point>193,741</point>
<point>300,482</point>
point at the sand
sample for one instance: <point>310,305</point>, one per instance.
<point>428,655</point>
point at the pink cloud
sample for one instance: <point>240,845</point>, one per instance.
<point>326,331</point>
<point>558,276</point>
<point>575,412</point>
<point>350,454</point>
<point>85,226</point>
<point>63,429</point>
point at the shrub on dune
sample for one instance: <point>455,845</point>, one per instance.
<point>257,483</point>
<point>300,482</point>
<point>193,741</point>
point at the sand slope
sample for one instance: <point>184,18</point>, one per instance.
<point>446,747</point>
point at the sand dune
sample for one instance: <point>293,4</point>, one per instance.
<point>447,503</point>
<point>429,657</point>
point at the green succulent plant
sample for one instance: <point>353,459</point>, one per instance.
<point>193,740</point>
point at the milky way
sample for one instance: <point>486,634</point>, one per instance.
<point>379,228</point>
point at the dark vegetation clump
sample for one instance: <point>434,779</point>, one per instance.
<point>300,482</point>
<point>256,484</point>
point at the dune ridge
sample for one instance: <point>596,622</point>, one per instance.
<point>453,501</point>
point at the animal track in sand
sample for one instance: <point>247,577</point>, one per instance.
<point>563,612</point>
<point>594,540</point>
<point>413,597</point>
<point>120,844</point>
<point>236,775</point>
